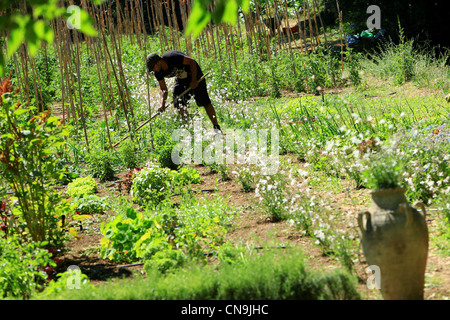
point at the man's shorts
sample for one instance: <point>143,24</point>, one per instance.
<point>200,93</point>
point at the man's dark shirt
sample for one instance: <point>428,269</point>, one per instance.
<point>176,68</point>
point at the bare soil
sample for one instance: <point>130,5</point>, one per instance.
<point>255,228</point>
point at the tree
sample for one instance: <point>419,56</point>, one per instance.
<point>29,24</point>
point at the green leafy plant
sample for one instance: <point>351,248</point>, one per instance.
<point>164,147</point>
<point>152,185</point>
<point>100,164</point>
<point>128,154</point>
<point>69,173</point>
<point>186,176</point>
<point>163,261</point>
<point>384,173</point>
<point>122,233</point>
<point>82,187</point>
<point>28,159</point>
<point>22,267</point>
<point>67,279</point>
<point>246,176</point>
<point>90,204</point>
<point>271,191</point>
<point>193,228</point>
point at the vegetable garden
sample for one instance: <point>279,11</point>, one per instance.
<point>128,222</point>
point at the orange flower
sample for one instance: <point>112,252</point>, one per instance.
<point>6,87</point>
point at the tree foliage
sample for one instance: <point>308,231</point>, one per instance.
<point>224,11</point>
<point>29,24</point>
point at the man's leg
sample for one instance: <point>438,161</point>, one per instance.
<point>202,98</point>
<point>211,112</point>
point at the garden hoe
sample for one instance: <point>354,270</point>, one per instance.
<point>158,113</point>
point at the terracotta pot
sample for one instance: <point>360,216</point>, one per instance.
<point>394,237</point>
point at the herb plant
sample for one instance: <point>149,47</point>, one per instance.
<point>82,187</point>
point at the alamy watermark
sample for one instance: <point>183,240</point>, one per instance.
<point>374,21</point>
<point>74,279</point>
<point>374,280</point>
<point>74,21</point>
<point>238,146</point>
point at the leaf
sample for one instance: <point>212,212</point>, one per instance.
<point>20,111</point>
<point>17,35</point>
<point>198,19</point>
<point>131,213</point>
<point>109,233</point>
<point>86,24</point>
<point>81,217</point>
<point>225,11</point>
<point>43,31</point>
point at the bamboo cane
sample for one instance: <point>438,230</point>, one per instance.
<point>65,65</point>
<point>103,97</point>
<point>121,94</point>
<point>83,121</point>
<point>300,31</point>
<point>188,43</point>
<point>59,53</point>
<point>311,36</point>
<point>321,23</point>
<point>315,25</point>
<point>340,34</point>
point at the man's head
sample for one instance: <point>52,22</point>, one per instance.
<point>152,59</point>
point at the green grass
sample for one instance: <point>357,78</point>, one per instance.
<point>273,275</point>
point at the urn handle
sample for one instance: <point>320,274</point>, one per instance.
<point>363,224</point>
<point>422,208</point>
<point>408,210</point>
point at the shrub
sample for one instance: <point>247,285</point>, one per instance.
<point>151,185</point>
<point>128,154</point>
<point>101,164</point>
<point>271,190</point>
<point>82,187</point>
<point>164,147</point>
<point>92,204</point>
<point>29,163</point>
<point>21,267</point>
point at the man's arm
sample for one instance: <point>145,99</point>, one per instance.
<point>193,66</point>
<point>163,94</point>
